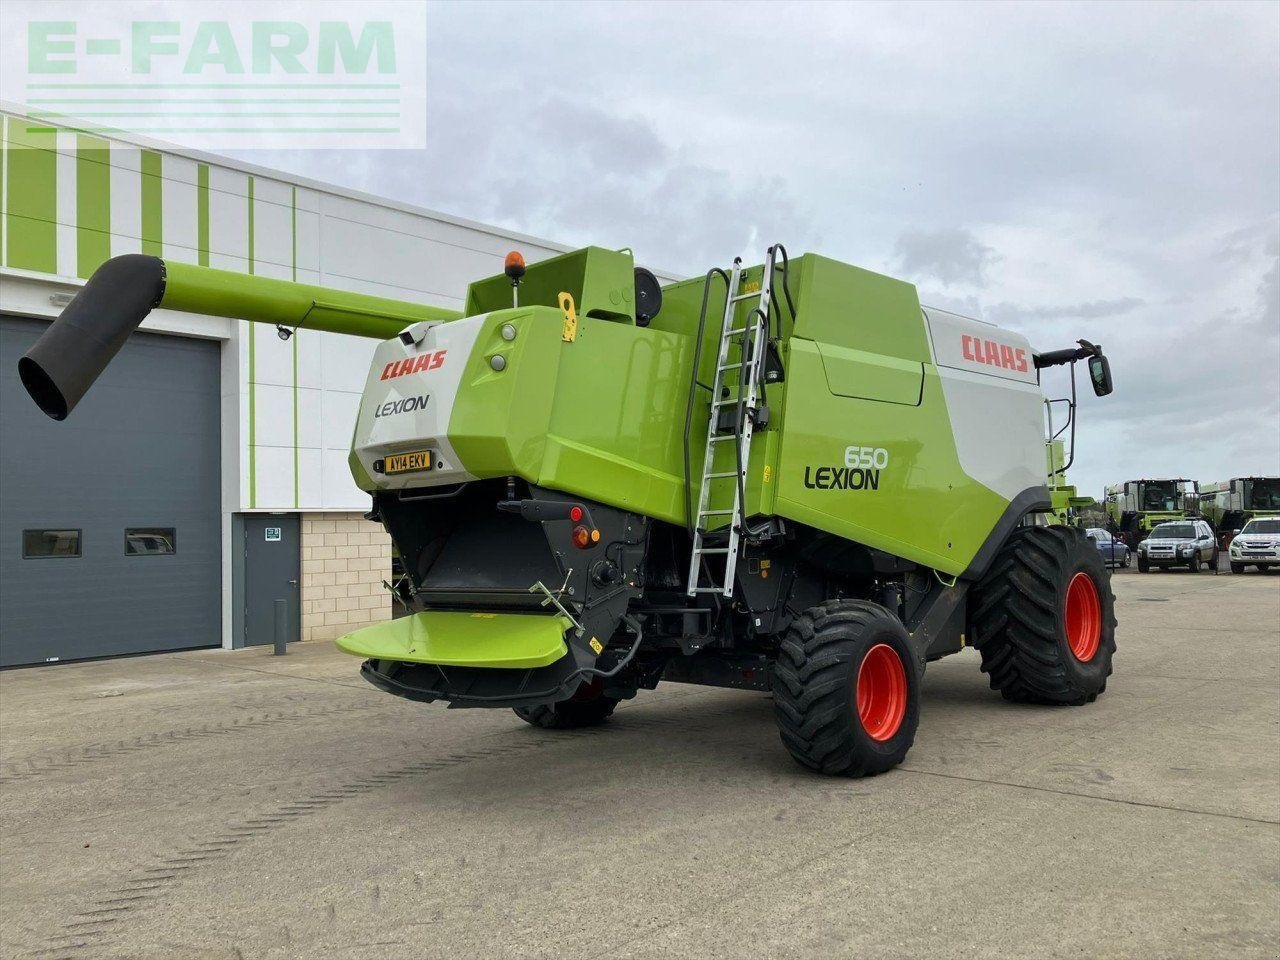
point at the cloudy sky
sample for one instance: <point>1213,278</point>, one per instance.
<point>1109,172</point>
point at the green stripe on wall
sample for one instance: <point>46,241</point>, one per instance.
<point>93,203</point>
<point>293,226</point>
<point>4,179</point>
<point>202,214</point>
<point>253,452</point>
<point>31,198</point>
<point>152,219</point>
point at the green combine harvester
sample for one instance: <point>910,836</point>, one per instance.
<point>1134,507</point>
<point>1231,504</point>
<point>788,477</point>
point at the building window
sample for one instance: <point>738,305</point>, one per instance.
<point>150,541</point>
<point>37,544</point>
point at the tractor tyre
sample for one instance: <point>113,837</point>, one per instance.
<point>846,689</point>
<point>586,708</point>
<point>1043,618</point>
<point>1237,567</point>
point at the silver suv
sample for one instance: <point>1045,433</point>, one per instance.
<point>1257,544</point>
<point>1178,543</point>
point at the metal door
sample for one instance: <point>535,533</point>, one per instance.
<point>110,534</point>
<point>272,561</point>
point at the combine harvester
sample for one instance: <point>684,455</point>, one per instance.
<point>788,477</point>
<point>1231,504</point>
<point>1134,507</point>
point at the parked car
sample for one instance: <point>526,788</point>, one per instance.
<point>1256,544</point>
<point>1178,543</point>
<point>1115,552</point>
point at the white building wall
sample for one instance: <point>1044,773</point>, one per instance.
<point>288,408</point>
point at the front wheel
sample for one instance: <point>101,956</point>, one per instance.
<point>1143,566</point>
<point>1237,567</point>
<point>1043,618</point>
<point>1194,563</point>
<point>846,691</point>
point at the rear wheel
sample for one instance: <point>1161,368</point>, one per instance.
<point>586,708</point>
<point>846,690</point>
<point>1043,618</point>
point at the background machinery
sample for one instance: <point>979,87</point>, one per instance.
<point>788,477</point>
<point>1134,507</point>
<point>1230,504</point>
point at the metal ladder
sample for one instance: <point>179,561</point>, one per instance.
<point>752,338</point>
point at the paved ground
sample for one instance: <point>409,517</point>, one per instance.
<point>232,805</point>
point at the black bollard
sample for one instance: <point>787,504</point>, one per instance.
<point>282,626</point>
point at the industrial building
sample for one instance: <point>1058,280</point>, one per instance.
<point>207,475</point>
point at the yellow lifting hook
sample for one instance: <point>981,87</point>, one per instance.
<point>570,333</point>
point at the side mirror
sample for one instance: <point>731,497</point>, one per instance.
<point>1100,374</point>
<point>1235,533</point>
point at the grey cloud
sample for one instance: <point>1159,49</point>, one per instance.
<point>1011,313</point>
<point>949,256</point>
<point>1018,162</point>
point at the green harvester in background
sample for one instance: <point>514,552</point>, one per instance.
<point>1134,507</point>
<point>1230,504</point>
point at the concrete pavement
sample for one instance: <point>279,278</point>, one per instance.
<point>234,805</point>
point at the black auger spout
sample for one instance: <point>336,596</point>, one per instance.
<point>70,356</point>
<point>73,352</point>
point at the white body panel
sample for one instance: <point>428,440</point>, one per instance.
<point>404,412</point>
<point>993,399</point>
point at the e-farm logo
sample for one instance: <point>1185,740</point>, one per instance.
<point>223,74</point>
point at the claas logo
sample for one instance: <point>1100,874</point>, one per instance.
<point>995,354</point>
<point>398,368</point>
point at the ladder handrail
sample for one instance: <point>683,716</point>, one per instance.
<point>693,388</point>
<point>752,339</point>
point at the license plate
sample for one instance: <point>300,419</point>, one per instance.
<point>407,462</point>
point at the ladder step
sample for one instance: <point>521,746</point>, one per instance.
<point>709,590</point>
<point>714,513</point>
<point>750,295</point>
<point>706,550</point>
<point>719,476</point>
<point>730,366</point>
<point>722,436</point>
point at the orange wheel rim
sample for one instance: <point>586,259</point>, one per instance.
<point>881,692</point>
<point>1083,617</point>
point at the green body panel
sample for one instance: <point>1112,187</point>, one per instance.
<point>602,417</point>
<point>847,306</point>
<point>1064,496</point>
<point>601,282</point>
<point>925,507</point>
<point>513,641</point>
<point>221,293</point>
